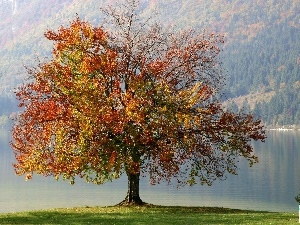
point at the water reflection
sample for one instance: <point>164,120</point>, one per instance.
<point>269,185</point>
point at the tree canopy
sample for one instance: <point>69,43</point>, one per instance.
<point>131,99</point>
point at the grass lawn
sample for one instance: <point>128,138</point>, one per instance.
<point>148,215</point>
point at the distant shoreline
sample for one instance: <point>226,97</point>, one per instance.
<point>284,128</point>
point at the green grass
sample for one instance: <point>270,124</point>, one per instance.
<point>148,215</point>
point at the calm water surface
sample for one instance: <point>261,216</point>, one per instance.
<point>270,185</point>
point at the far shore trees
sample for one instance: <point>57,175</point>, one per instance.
<point>130,99</point>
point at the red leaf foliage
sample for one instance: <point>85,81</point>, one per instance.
<point>141,101</point>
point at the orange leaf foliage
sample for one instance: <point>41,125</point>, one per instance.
<point>142,104</point>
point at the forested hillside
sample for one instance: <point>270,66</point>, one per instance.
<point>261,55</point>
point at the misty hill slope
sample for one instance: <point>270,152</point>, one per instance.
<point>261,53</point>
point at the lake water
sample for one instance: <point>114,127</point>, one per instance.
<point>270,185</point>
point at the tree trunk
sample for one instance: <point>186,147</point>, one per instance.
<point>133,193</point>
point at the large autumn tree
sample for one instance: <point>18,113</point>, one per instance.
<point>130,98</point>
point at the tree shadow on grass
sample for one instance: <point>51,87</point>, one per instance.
<point>65,218</point>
